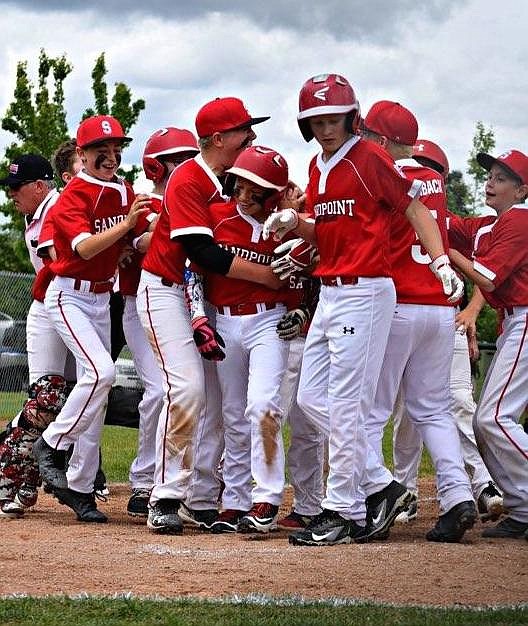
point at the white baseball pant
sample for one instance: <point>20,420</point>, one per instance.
<point>250,377</point>
<point>341,364</point>
<point>407,442</point>
<point>141,474</point>
<point>165,318</point>
<point>418,356</point>
<point>501,439</point>
<point>204,488</point>
<point>82,319</point>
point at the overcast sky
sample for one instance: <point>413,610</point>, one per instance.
<point>452,62</point>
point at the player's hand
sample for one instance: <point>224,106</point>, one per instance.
<point>452,285</point>
<point>207,340</point>
<point>140,205</point>
<point>298,255</point>
<point>291,323</point>
<point>293,197</point>
<point>280,223</point>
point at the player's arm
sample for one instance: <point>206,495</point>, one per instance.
<point>203,251</point>
<point>466,267</point>
<point>426,228</point>
<point>94,244</point>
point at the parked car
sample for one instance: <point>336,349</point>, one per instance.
<point>14,373</point>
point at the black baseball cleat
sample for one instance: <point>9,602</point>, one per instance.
<point>490,503</point>
<point>383,508</point>
<point>138,503</point>
<point>326,529</point>
<point>163,517</point>
<point>82,503</point>
<point>49,469</point>
<point>507,528</point>
<point>201,518</point>
<point>451,526</point>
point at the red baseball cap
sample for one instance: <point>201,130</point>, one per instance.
<point>99,128</point>
<point>392,120</point>
<point>512,161</point>
<point>223,114</point>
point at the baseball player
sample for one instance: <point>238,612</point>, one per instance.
<point>353,187</point>
<point>251,373</point>
<point>407,442</point>
<point>31,186</point>
<point>493,253</point>
<point>183,232</point>
<point>91,219</point>
<point>164,150</point>
<point>419,350</point>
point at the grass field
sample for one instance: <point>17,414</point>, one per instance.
<point>242,612</point>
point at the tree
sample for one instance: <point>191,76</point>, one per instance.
<point>122,108</point>
<point>459,196</point>
<point>37,119</point>
<point>483,141</point>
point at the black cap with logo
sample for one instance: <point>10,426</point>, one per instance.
<point>26,169</point>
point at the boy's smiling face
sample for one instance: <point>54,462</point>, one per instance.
<point>102,160</point>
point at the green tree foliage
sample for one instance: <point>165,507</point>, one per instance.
<point>122,106</point>
<point>459,197</point>
<point>37,119</point>
<point>483,141</point>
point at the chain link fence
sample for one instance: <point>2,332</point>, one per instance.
<point>15,300</point>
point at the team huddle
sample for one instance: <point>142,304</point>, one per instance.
<point>249,302</point>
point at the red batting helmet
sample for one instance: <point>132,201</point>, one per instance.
<point>327,94</point>
<point>431,155</point>
<point>99,128</point>
<point>264,167</point>
<point>166,142</point>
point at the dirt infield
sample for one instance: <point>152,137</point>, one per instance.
<point>49,552</point>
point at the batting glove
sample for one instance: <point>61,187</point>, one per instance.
<point>207,340</point>
<point>298,255</point>
<point>279,224</point>
<point>291,324</point>
<point>453,286</point>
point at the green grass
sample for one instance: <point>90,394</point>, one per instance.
<point>288,612</point>
<point>119,447</point>
<point>10,404</point>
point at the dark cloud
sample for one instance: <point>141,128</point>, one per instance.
<point>377,20</point>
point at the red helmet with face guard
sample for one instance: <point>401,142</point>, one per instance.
<point>327,94</point>
<point>164,143</point>
<point>431,155</point>
<point>264,167</point>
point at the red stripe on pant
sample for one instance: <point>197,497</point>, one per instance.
<point>514,444</point>
<point>77,341</point>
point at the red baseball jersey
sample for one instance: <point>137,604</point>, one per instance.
<point>130,273</point>
<point>242,235</point>
<point>500,252</point>
<point>191,188</point>
<point>414,281</point>
<point>86,207</point>
<point>351,197</point>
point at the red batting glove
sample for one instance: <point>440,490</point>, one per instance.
<point>207,340</point>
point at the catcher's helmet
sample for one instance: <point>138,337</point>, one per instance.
<point>163,143</point>
<point>99,128</point>
<point>264,167</point>
<point>327,94</point>
<point>431,155</point>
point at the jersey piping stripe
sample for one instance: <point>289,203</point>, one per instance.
<point>512,441</point>
<point>166,374</point>
<point>74,336</point>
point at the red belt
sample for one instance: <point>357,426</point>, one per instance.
<point>337,281</point>
<point>247,308</point>
<point>95,286</point>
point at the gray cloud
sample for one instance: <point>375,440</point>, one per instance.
<point>376,20</point>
